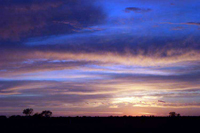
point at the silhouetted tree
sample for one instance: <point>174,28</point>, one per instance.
<point>15,117</point>
<point>46,113</point>
<point>172,114</point>
<point>28,111</point>
<point>37,115</point>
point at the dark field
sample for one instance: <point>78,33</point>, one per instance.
<point>100,124</point>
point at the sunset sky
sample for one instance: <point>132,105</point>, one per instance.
<point>100,57</point>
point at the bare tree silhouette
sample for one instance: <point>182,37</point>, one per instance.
<point>28,111</point>
<point>46,113</point>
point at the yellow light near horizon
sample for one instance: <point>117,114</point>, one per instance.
<point>126,100</point>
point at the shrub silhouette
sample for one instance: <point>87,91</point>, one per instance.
<point>46,113</point>
<point>28,111</point>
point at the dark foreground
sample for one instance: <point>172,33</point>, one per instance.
<point>100,125</point>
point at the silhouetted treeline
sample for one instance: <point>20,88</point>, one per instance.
<point>29,112</point>
<point>99,124</point>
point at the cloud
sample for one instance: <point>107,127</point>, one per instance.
<point>143,59</point>
<point>161,101</point>
<point>137,10</point>
<point>35,18</point>
<point>47,94</point>
<point>107,93</point>
<point>173,62</point>
<point>33,66</point>
<point>186,23</point>
<point>192,23</point>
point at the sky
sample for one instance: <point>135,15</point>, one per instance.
<point>100,57</point>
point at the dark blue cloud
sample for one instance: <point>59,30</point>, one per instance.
<point>34,18</point>
<point>137,10</point>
